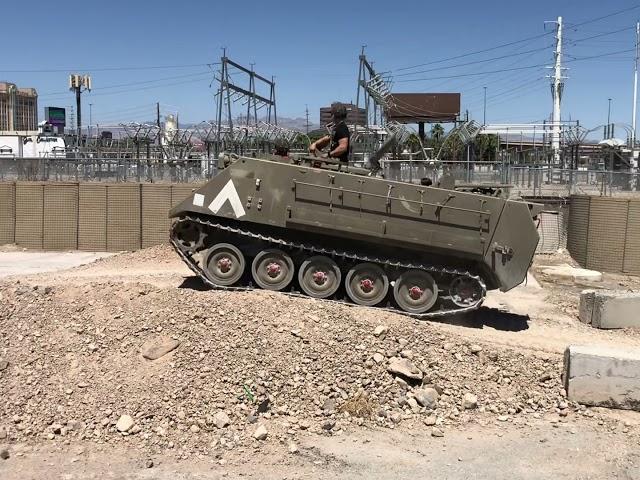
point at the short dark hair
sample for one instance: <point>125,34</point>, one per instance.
<point>426,181</point>
<point>281,147</point>
<point>339,111</point>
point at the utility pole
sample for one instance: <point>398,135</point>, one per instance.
<point>90,118</point>
<point>306,108</point>
<point>71,119</point>
<point>77,83</point>
<point>159,136</point>
<point>635,90</point>
<point>484,114</point>
<point>556,90</point>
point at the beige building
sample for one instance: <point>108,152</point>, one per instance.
<point>18,108</point>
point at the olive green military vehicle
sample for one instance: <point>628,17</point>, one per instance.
<point>315,228</point>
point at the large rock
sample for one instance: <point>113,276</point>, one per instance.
<point>427,397</point>
<point>159,347</point>
<point>221,420</point>
<point>610,309</point>
<point>261,433</point>
<point>381,331</point>
<point>603,376</point>
<point>404,368</point>
<point>125,423</point>
<point>469,401</point>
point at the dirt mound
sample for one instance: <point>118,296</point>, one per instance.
<point>74,366</point>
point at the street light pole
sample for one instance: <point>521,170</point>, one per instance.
<point>635,89</point>
<point>484,115</point>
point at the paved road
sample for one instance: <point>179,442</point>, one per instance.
<point>29,262</point>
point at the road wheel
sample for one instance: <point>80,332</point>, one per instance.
<point>466,291</point>
<point>272,269</point>
<point>415,291</point>
<point>319,277</point>
<point>223,264</point>
<point>367,284</point>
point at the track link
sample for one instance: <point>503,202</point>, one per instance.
<point>187,257</point>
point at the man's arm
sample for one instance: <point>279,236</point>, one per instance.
<point>343,146</point>
<point>319,144</point>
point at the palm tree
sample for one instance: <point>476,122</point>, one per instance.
<point>437,131</point>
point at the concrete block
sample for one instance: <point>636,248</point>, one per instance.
<point>585,310</point>
<point>567,272</point>
<point>602,376</point>
<point>610,309</point>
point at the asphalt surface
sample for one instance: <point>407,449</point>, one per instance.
<point>30,262</point>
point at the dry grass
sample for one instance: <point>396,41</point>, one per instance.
<point>359,406</point>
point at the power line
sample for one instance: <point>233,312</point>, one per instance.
<point>516,42</point>
<point>136,83</point>
<point>461,75</point>
<point>511,69</point>
<point>483,80</point>
<point>503,93</point>
<point>109,69</point>
<point>474,62</point>
<point>586,22</point>
<point>52,97</point>
<point>473,53</point>
<point>578,40</point>
<point>606,54</point>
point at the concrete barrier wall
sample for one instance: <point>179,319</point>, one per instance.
<point>87,216</point>
<point>604,233</point>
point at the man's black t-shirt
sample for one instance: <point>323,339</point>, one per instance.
<point>340,131</point>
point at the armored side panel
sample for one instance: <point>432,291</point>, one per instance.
<point>423,223</point>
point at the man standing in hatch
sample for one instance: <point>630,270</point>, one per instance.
<point>339,139</point>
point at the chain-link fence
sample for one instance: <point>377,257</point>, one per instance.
<point>521,180</point>
<point>107,170</point>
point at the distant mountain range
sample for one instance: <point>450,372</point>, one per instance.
<point>299,124</point>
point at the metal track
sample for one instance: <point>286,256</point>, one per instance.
<point>192,264</point>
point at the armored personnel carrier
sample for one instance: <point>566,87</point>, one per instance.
<point>316,228</point>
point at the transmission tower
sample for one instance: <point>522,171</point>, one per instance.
<point>230,92</point>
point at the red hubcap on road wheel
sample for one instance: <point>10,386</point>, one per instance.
<point>320,277</point>
<point>366,285</point>
<point>273,269</point>
<point>415,292</point>
<point>224,264</point>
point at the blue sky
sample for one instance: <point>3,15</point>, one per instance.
<point>312,50</point>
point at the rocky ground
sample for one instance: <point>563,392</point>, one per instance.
<point>131,354</point>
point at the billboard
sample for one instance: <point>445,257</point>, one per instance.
<point>56,116</point>
<point>424,107</point>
